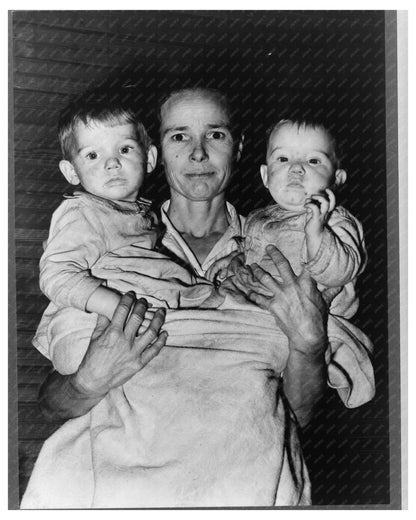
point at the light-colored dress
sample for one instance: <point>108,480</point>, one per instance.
<point>204,424</point>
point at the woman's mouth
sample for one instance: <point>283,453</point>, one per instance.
<point>199,174</point>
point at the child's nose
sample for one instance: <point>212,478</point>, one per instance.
<point>297,167</point>
<point>112,162</point>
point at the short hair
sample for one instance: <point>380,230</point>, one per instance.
<point>100,106</point>
<point>315,124</point>
<point>211,93</point>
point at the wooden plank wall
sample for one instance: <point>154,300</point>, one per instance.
<point>269,60</point>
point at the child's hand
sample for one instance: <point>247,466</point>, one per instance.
<point>319,207</point>
<point>224,267</point>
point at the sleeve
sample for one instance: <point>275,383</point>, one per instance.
<point>350,370</point>
<point>342,254</point>
<point>76,241</point>
<point>63,336</point>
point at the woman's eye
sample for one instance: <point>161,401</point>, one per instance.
<point>216,134</point>
<point>91,156</point>
<point>178,137</point>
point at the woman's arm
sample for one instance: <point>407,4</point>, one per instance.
<point>115,354</point>
<point>301,313</point>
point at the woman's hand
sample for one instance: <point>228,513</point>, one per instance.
<point>121,348</point>
<point>294,301</point>
<point>117,351</point>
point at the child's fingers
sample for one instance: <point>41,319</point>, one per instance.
<point>332,199</point>
<point>313,210</point>
<point>323,203</point>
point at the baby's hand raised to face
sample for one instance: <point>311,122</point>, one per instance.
<point>318,207</point>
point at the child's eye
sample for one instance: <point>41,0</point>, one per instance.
<point>125,149</point>
<point>179,137</point>
<point>282,158</point>
<point>314,160</point>
<point>92,155</point>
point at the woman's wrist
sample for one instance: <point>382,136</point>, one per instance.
<point>312,347</point>
<point>84,387</point>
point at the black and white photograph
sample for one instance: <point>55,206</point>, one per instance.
<point>204,260</point>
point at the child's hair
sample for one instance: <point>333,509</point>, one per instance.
<point>96,105</point>
<point>315,124</point>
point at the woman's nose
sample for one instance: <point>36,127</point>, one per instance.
<point>199,152</point>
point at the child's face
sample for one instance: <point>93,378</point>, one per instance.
<point>299,165</point>
<point>108,160</point>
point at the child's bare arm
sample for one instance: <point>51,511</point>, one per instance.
<point>103,301</point>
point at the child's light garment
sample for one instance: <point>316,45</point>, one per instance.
<point>95,241</point>
<point>340,259</point>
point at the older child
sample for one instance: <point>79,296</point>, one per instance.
<point>102,238</point>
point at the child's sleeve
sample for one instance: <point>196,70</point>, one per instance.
<point>75,243</point>
<point>342,254</point>
<point>350,370</point>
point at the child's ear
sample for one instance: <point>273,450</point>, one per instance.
<point>240,148</point>
<point>340,177</point>
<point>264,175</point>
<point>68,171</point>
<point>151,158</point>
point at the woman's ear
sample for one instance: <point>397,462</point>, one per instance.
<point>151,158</point>
<point>68,171</point>
<point>240,148</point>
<point>264,175</point>
<point>340,177</point>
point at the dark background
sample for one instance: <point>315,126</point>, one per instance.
<point>270,63</point>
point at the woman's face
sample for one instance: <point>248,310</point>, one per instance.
<point>197,146</point>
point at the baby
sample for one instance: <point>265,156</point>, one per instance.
<point>302,171</point>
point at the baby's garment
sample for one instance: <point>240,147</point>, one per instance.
<point>340,259</point>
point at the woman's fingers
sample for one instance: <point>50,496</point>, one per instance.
<point>153,330</point>
<point>135,319</point>
<point>150,352</point>
<point>123,310</point>
<point>282,264</point>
